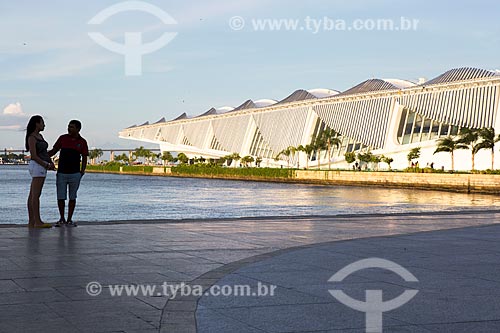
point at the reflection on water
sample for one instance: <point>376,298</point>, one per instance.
<point>120,197</point>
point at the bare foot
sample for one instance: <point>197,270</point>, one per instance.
<point>42,225</point>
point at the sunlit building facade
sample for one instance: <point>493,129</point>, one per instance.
<point>383,116</point>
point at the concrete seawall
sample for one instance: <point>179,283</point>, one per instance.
<point>468,183</point>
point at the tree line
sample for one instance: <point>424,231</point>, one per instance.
<point>474,139</point>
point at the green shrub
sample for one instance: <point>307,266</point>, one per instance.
<point>138,168</point>
<point>96,167</point>
<point>214,170</point>
<point>488,172</point>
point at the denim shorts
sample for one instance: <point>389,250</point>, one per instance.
<point>36,170</point>
<point>65,181</point>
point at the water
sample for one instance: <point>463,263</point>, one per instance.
<point>106,197</point>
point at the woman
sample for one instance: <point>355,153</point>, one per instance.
<point>39,164</point>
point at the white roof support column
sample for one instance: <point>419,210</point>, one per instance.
<point>391,140</point>
<point>311,120</point>
<point>247,139</point>
<point>310,123</point>
<point>496,121</point>
<point>209,136</point>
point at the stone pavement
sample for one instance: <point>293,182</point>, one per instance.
<point>44,274</point>
<point>458,274</point>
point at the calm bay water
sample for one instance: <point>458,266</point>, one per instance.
<point>106,197</point>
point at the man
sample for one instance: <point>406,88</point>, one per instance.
<point>70,170</point>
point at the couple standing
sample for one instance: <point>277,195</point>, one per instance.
<point>69,173</point>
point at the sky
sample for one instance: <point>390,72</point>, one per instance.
<point>49,65</point>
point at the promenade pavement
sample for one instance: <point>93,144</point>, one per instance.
<point>44,274</point>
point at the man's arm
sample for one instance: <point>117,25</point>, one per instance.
<point>52,152</point>
<point>85,154</point>
<point>84,164</point>
<point>56,148</point>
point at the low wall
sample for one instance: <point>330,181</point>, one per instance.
<point>441,181</point>
<point>469,183</point>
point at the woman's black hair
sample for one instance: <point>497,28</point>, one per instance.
<point>31,128</point>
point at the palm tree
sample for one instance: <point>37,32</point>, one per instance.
<point>167,157</point>
<point>449,144</point>
<point>350,157</point>
<point>182,158</point>
<point>293,150</point>
<point>488,141</point>
<point>122,158</point>
<point>308,149</point>
<point>235,157</point>
<point>152,157</point>
<point>387,160</point>
<point>470,137</point>
<point>286,152</point>
<point>92,155</point>
<point>142,152</point>
<point>95,153</point>
<point>228,159</point>
<point>319,144</point>
<point>220,161</point>
<point>365,157</point>
<point>299,149</point>
<point>232,157</point>
<point>247,159</point>
<point>331,138</point>
<point>413,154</point>
<point>376,159</point>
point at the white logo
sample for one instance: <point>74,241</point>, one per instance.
<point>133,49</point>
<point>374,306</point>
<point>236,23</point>
<point>94,288</point>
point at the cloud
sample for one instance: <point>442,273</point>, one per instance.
<point>56,68</point>
<point>10,128</point>
<point>14,109</point>
<point>13,117</point>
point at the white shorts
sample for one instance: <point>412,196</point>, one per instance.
<point>36,170</point>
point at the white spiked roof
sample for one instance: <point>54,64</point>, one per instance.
<point>224,109</point>
<point>401,84</point>
<point>260,103</point>
<point>322,92</point>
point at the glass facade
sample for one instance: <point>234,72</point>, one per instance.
<point>414,127</point>
<point>259,147</point>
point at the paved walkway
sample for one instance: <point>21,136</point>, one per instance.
<point>44,274</point>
